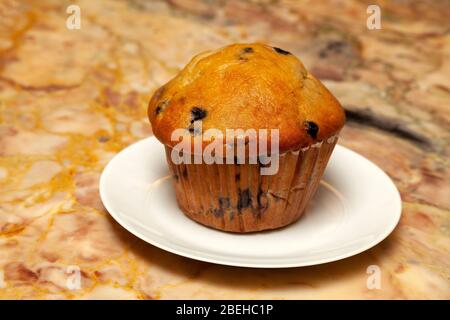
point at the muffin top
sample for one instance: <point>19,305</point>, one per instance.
<point>247,86</point>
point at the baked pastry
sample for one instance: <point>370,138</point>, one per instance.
<point>246,86</point>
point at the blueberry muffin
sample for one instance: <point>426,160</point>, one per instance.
<point>246,86</point>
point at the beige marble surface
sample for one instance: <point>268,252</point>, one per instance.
<point>71,99</point>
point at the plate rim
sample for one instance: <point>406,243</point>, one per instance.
<point>117,217</point>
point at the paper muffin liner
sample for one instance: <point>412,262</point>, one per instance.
<point>237,198</point>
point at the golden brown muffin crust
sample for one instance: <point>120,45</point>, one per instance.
<point>247,86</point>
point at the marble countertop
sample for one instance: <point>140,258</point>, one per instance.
<point>71,99</point>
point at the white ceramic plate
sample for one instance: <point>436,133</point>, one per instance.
<point>357,206</point>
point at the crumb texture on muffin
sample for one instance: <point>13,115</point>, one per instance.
<point>247,86</point>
